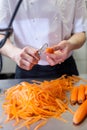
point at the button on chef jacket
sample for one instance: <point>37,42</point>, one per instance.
<point>44,21</point>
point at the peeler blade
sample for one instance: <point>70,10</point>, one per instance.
<point>42,49</point>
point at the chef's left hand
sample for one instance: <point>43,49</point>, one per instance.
<point>61,52</point>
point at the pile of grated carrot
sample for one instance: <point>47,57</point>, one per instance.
<point>28,103</point>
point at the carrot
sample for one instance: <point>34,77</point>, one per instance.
<point>81,94</point>
<point>49,50</point>
<point>80,113</point>
<point>86,91</point>
<point>74,96</point>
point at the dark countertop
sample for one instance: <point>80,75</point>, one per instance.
<point>53,124</point>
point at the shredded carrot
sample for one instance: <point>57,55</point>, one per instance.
<point>32,102</point>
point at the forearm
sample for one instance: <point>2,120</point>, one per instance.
<point>8,49</point>
<point>25,58</point>
<point>77,40</point>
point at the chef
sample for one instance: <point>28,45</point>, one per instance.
<point>59,23</point>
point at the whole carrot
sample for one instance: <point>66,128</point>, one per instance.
<point>80,113</point>
<point>86,91</point>
<point>81,94</point>
<point>74,96</point>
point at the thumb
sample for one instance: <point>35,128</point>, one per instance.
<point>57,47</point>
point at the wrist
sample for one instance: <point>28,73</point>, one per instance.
<point>14,53</point>
<point>70,45</point>
<point>77,40</point>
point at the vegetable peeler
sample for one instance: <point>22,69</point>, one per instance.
<point>42,49</point>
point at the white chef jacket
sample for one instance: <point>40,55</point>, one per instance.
<point>44,21</point>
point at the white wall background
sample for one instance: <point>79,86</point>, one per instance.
<point>80,56</point>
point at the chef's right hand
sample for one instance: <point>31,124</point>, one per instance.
<point>26,58</point>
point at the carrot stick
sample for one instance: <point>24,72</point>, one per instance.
<point>80,113</point>
<point>40,125</point>
<point>81,94</point>
<point>74,96</point>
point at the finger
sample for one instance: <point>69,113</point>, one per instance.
<point>50,61</point>
<point>54,61</point>
<point>55,56</point>
<point>25,65</point>
<point>29,58</point>
<point>60,46</point>
<point>32,52</point>
<point>56,48</point>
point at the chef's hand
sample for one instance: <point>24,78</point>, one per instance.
<point>26,58</point>
<point>61,52</point>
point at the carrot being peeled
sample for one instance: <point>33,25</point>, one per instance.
<point>49,50</point>
<point>80,113</point>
